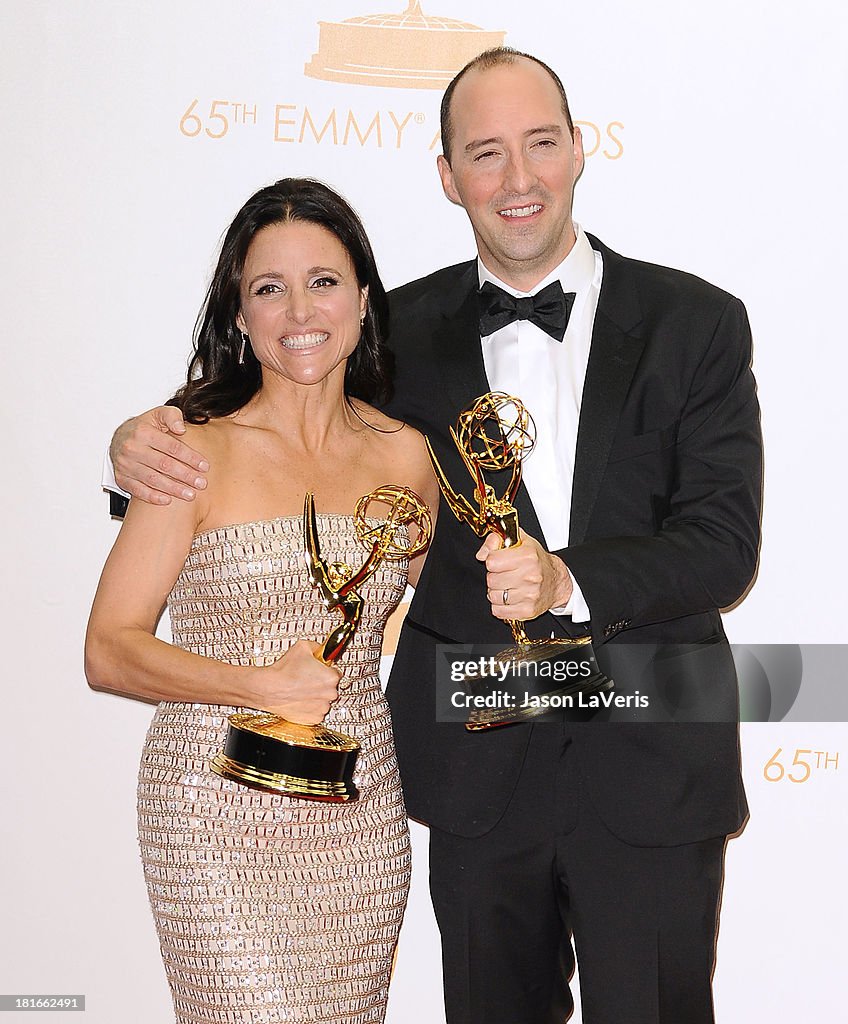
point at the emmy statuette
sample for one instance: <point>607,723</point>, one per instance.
<point>263,750</point>
<point>494,434</point>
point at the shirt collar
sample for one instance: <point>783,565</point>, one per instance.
<point>575,273</point>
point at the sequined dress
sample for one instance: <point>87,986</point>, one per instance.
<point>270,908</point>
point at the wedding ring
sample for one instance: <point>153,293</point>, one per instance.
<point>506,597</point>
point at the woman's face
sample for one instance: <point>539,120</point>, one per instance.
<point>301,304</point>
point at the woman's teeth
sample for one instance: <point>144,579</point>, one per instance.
<point>304,340</point>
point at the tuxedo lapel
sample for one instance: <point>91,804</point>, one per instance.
<point>614,355</point>
<point>456,343</point>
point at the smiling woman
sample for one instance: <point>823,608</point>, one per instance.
<point>265,253</point>
<point>269,907</point>
<point>301,305</point>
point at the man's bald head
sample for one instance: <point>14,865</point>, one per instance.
<point>483,62</point>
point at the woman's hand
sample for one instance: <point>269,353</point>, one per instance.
<point>299,687</point>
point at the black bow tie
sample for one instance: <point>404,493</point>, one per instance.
<point>549,309</point>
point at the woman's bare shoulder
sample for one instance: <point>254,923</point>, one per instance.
<point>404,449</point>
<point>214,438</point>
<point>397,437</point>
<point>375,418</point>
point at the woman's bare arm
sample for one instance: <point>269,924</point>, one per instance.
<point>122,655</point>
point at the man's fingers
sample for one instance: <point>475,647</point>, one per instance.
<point>150,485</point>
<point>511,571</point>
<point>169,418</point>
<point>165,477</point>
<point>174,463</point>
<point>144,493</point>
<point>167,482</point>
<point>514,577</point>
<point>490,544</point>
<point>173,446</point>
<point>517,607</point>
<point>153,464</point>
<point>141,462</point>
<point>149,454</point>
<point>496,597</point>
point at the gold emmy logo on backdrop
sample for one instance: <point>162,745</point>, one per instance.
<point>264,751</point>
<point>408,50</point>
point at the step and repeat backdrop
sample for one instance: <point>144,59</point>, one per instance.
<point>133,131</point>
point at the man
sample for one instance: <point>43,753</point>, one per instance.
<point>645,486</point>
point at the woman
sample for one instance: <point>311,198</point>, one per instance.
<point>268,908</point>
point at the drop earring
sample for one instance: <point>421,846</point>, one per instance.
<point>244,341</point>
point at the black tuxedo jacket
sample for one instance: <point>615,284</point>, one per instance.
<point>664,532</point>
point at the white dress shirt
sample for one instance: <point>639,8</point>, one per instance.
<point>548,376</point>
<point>107,477</point>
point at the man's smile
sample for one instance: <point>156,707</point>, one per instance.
<point>520,211</point>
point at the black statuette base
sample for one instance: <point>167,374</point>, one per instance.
<point>270,764</point>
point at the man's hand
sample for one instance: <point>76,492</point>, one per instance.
<point>531,579</point>
<point>151,462</point>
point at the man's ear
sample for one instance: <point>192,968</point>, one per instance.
<point>448,184</point>
<point>579,159</point>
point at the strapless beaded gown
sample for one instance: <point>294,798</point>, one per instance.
<point>269,908</point>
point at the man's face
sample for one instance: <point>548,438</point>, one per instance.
<point>513,168</point>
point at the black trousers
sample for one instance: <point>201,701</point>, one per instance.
<point>509,904</point>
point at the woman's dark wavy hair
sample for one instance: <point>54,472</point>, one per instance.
<point>217,384</point>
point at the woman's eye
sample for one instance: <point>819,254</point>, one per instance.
<point>324,282</point>
<point>268,289</point>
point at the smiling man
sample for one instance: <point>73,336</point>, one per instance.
<point>641,511</point>
<point>514,177</point>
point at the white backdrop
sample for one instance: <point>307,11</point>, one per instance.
<point>716,140</point>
